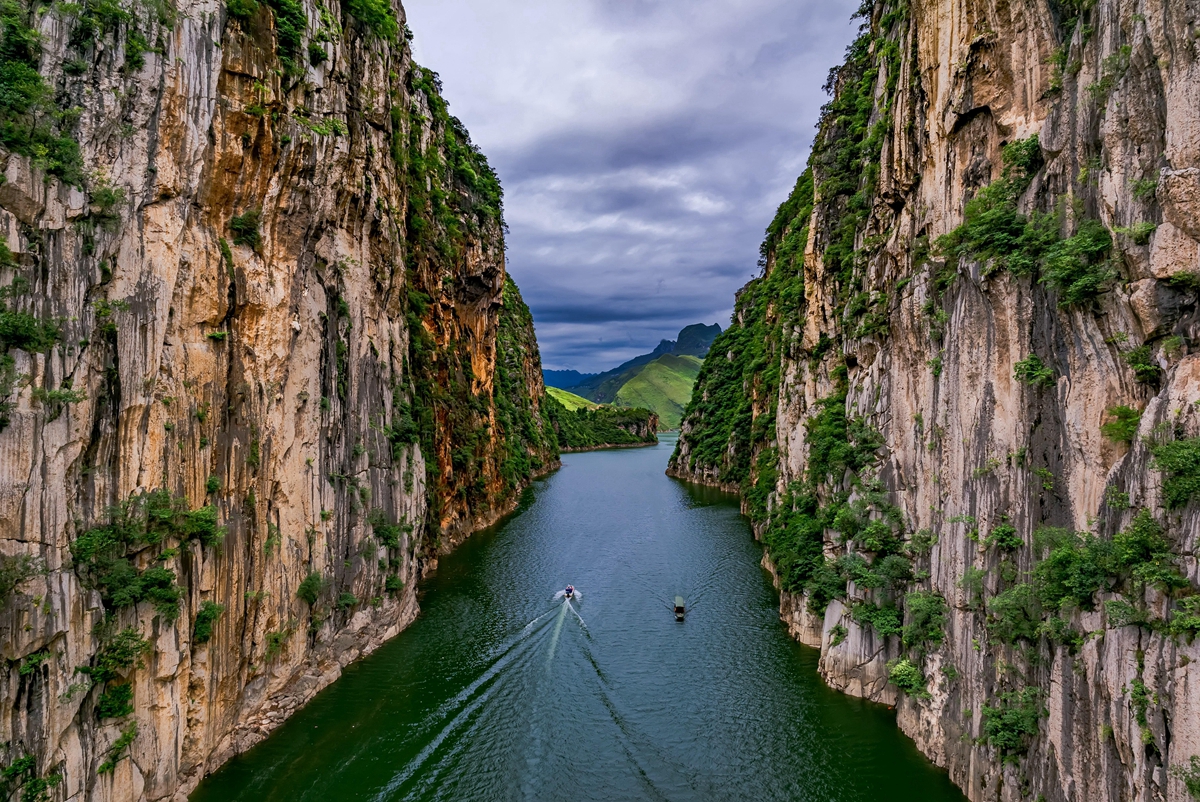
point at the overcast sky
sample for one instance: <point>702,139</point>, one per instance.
<point>643,146</point>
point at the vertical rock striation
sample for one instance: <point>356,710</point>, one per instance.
<point>260,362</point>
<point>962,402</point>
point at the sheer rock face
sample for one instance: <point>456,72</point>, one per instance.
<point>966,446</point>
<point>281,362</point>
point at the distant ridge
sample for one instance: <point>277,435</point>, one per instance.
<point>660,380</point>
<point>564,378</point>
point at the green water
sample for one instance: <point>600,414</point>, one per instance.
<point>499,692</point>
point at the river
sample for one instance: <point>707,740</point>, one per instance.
<point>500,692</point>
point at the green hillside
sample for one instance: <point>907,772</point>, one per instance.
<point>599,426</point>
<point>664,386</point>
<point>570,400</point>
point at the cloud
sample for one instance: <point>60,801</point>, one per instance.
<point>643,146</point>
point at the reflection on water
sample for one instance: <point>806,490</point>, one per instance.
<point>501,691</point>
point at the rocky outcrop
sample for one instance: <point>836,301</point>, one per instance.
<point>260,363</point>
<point>961,402</point>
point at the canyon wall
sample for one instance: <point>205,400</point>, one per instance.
<point>962,403</point>
<point>260,365</point>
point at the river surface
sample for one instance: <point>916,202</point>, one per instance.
<point>501,692</point>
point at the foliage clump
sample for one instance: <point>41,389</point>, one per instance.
<point>115,702</point>
<point>1012,723</point>
<point>1180,461</point>
<point>102,552</point>
<point>245,228</point>
<point>118,749</point>
<point>1122,425</point>
<point>926,613</point>
<point>387,533</point>
<point>30,122</point>
<point>1189,774</point>
<point>116,656</point>
<point>606,425</point>
<point>311,588</point>
<point>1141,361</point>
<point>16,570</point>
<point>377,16</point>
<point>997,234</point>
<point>907,676</point>
<point>1033,371</point>
<point>206,616</point>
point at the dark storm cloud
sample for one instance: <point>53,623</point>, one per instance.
<point>643,146</point>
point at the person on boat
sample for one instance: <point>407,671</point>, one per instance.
<point>570,591</point>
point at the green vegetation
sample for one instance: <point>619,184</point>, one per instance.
<point>25,332</point>
<point>30,123</point>
<point>55,401</point>
<point>996,234</point>
<point>312,587</point>
<point>1004,537</point>
<point>33,662</point>
<point>147,520</point>
<point>22,775</point>
<point>16,570</point>
<point>1075,568</point>
<point>907,677</point>
<point>242,10</point>
<point>884,619</point>
<point>601,426</point>
<point>1189,775</point>
<point>116,656</point>
<point>1145,370</point>
<point>275,643</point>
<point>663,386</point>
<point>926,613</point>
<point>1013,722</point>
<point>118,749</point>
<point>206,616</point>
<point>1180,461</point>
<point>115,702</point>
<point>1123,424</point>
<point>570,401</point>
<point>387,533</point>
<point>1031,370</point>
<point>245,228</point>
<point>291,23</point>
<point>526,435</point>
<point>1185,621</point>
<point>377,16</point>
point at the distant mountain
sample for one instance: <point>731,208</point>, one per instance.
<point>695,340</point>
<point>564,378</point>
<point>664,386</point>
<point>660,380</point>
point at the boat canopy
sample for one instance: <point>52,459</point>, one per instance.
<point>678,602</point>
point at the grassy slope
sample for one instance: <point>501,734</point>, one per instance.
<point>570,400</point>
<point>664,386</point>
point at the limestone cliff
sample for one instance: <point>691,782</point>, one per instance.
<point>259,363</point>
<point>962,403</point>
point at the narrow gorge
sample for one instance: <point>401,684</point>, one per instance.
<point>962,401</point>
<point>261,366</point>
